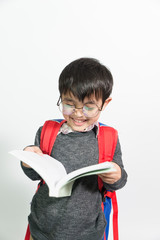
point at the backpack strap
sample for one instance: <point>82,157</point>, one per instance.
<point>113,197</point>
<point>49,133</point>
<point>107,141</point>
<point>28,234</point>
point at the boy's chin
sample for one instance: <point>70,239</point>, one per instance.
<point>78,128</point>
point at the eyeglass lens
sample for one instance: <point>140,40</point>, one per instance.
<point>89,110</point>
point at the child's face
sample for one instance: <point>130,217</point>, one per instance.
<point>77,120</point>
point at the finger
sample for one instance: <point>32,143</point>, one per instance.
<point>108,175</point>
<point>109,180</point>
<point>34,149</point>
<point>37,150</point>
<point>30,149</point>
<point>40,153</point>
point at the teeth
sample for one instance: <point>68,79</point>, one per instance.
<point>79,121</point>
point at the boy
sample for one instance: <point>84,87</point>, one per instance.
<point>85,86</point>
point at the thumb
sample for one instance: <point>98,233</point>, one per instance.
<point>34,149</point>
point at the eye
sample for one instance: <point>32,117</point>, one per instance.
<point>89,106</point>
<point>68,105</point>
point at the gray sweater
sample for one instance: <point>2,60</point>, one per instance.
<point>79,216</point>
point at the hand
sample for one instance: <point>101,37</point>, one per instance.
<point>32,149</point>
<point>111,177</point>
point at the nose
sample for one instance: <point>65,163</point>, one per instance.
<point>78,112</point>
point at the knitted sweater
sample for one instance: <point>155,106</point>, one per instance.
<point>79,216</point>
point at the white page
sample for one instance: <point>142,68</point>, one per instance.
<point>86,171</point>
<point>61,191</point>
<point>54,174</point>
<point>49,168</point>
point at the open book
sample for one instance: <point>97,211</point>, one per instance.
<point>54,174</point>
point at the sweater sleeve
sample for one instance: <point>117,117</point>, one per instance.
<point>117,158</point>
<point>29,172</point>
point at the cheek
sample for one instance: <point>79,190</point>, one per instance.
<point>92,120</point>
<point>66,117</point>
<point>95,119</point>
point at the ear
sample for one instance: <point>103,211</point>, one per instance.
<point>106,103</point>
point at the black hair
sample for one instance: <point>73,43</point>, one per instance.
<point>84,77</point>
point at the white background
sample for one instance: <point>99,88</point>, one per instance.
<point>37,40</point>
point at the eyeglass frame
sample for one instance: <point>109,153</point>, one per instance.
<point>59,102</point>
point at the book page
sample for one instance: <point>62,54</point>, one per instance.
<point>54,174</point>
<point>82,172</point>
<point>47,167</point>
<point>93,172</point>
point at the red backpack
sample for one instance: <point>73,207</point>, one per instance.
<point>107,141</point>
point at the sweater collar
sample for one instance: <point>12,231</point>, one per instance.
<point>65,128</point>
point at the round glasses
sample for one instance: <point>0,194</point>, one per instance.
<point>89,109</point>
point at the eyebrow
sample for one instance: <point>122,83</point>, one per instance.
<point>90,102</point>
<point>68,99</point>
<point>71,100</point>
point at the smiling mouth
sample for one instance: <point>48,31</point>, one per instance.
<point>79,122</point>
